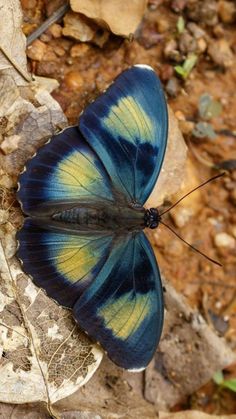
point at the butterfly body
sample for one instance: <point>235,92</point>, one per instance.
<point>115,218</point>
<point>83,194</point>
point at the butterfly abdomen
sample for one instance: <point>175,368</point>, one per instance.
<point>110,217</point>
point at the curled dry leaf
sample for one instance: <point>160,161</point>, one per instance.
<point>119,17</point>
<point>12,42</point>
<point>45,357</point>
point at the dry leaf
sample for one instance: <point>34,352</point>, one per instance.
<point>122,18</point>
<point>45,357</point>
<point>13,411</point>
<point>174,165</point>
<point>192,414</point>
<point>12,42</point>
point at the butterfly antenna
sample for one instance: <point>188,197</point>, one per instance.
<point>197,187</point>
<point>176,203</point>
<point>192,247</point>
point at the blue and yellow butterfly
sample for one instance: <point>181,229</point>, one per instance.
<point>83,239</point>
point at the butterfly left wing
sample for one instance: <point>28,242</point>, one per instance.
<point>127,126</point>
<point>123,308</point>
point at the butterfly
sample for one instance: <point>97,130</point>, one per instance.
<point>82,240</point>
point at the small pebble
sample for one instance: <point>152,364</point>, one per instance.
<point>55,30</point>
<point>167,72</point>
<point>202,11</point>
<point>171,51</point>
<point>186,127</point>
<point>202,45</point>
<point>36,50</point>
<point>220,52</point>
<point>79,50</point>
<point>45,37</point>
<point>196,30</point>
<point>172,87</point>
<point>162,25</point>
<point>59,51</point>
<point>187,43</point>
<point>227,11</point>
<point>181,216</point>
<point>74,80</point>
<point>180,116</point>
<point>178,5</point>
<point>218,31</point>
<point>224,240</point>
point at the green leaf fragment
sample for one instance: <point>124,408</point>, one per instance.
<point>218,377</point>
<point>180,24</point>
<point>230,384</point>
<point>204,130</point>
<point>185,69</point>
<point>208,107</point>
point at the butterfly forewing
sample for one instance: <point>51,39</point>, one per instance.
<point>127,126</point>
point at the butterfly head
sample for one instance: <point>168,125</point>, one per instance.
<point>152,218</point>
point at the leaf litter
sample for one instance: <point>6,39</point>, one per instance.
<point>44,354</point>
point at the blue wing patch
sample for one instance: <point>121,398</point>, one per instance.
<point>64,170</point>
<point>127,126</point>
<point>123,307</point>
<point>64,265</point>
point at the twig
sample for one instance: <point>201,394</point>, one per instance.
<point>57,15</point>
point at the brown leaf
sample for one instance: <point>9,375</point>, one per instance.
<point>121,18</point>
<point>192,414</point>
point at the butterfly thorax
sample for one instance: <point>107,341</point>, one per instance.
<point>108,217</point>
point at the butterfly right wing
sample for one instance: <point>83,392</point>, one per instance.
<point>64,171</point>
<point>63,264</point>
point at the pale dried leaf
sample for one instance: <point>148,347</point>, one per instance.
<point>13,411</point>
<point>12,41</point>
<point>30,117</point>
<point>121,18</point>
<point>192,414</point>
<point>45,357</point>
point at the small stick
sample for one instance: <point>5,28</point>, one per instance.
<point>57,15</point>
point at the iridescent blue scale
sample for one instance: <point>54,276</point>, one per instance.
<point>83,240</point>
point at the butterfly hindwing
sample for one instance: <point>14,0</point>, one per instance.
<point>64,170</point>
<point>127,126</point>
<point>123,308</point>
<point>64,265</point>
